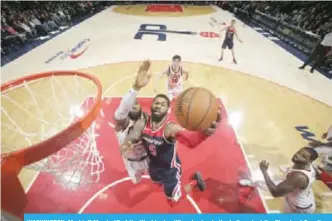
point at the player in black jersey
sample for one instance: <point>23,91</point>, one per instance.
<point>159,137</point>
<point>229,40</point>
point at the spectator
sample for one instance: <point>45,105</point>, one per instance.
<point>13,32</point>
<point>10,37</point>
<point>309,16</point>
<point>30,32</point>
<point>30,20</point>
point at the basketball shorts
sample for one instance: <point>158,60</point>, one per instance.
<point>136,168</point>
<point>227,44</point>
<point>169,178</point>
<point>290,208</point>
<point>174,92</point>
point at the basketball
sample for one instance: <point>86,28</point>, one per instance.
<point>196,108</point>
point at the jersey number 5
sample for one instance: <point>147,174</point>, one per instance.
<point>153,150</point>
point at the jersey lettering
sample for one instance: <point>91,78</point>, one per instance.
<point>175,79</point>
<point>161,153</point>
<point>152,29</point>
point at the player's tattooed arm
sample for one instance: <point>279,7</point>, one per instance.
<point>133,136</point>
<point>293,181</point>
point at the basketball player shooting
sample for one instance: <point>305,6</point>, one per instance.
<point>296,187</point>
<point>128,112</point>
<point>229,40</point>
<point>159,137</point>
<point>175,75</point>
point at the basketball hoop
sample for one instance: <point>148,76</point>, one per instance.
<point>49,125</point>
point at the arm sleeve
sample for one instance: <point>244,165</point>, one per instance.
<point>190,139</point>
<point>127,102</point>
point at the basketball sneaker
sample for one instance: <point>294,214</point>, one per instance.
<point>200,182</point>
<point>252,183</point>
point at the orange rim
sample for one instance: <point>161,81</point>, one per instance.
<point>53,144</point>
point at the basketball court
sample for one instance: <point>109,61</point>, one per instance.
<point>270,109</point>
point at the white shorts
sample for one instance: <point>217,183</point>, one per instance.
<point>290,208</point>
<point>136,169</point>
<point>174,92</point>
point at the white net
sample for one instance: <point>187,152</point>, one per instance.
<point>36,110</point>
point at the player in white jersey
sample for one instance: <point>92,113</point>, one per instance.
<point>128,112</point>
<point>175,75</point>
<point>296,187</point>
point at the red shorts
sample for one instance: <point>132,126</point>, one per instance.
<point>326,177</point>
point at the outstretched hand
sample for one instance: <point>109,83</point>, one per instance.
<point>214,124</point>
<point>143,76</point>
<point>264,165</point>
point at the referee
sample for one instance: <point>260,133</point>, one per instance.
<point>320,53</point>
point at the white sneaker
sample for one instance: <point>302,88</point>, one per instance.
<point>246,182</point>
<point>251,183</point>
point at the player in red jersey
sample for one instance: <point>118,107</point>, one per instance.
<point>159,136</point>
<point>229,40</point>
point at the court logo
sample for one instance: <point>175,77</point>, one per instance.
<point>164,8</point>
<point>161,32</point>
<point>306,133</point>
<point>72,53</point>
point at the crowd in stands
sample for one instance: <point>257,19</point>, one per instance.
<point>23,22</point>
<point>308,15</point>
